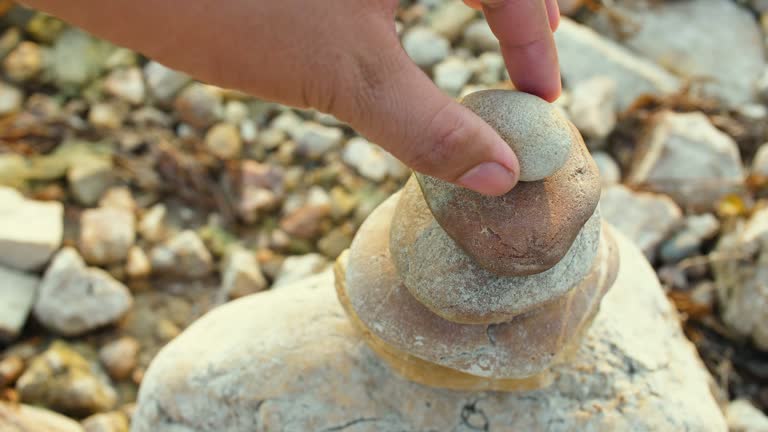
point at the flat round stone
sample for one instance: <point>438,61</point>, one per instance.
<point>521,348</point>
<point>529,229</point>
<point>451,284</point>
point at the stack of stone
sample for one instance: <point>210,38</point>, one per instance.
<point>473,292</point>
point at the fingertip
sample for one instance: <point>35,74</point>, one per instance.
<point>489,178</point>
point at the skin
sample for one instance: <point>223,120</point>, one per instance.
<point>342,57</point>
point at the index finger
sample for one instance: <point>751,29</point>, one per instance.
<point>527,44</point>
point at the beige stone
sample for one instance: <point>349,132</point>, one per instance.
<point>27,418</point>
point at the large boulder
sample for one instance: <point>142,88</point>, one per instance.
<point>290,360</point>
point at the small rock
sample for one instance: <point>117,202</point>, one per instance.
<point>450,18</point>
<point>11,368</point>
<point>106,234</point>
<point>89,178</point>
<point>288,122</point>
<point>271,138</point>
<point>223,141</point>
<point>686,157</point>
<point>610,173</point>
<point>184,255</point>
<point>760,162</point>
<point>236,112</point>
<point>335,242</point>
<point>305,222</point>
<point>478,36</point>
<point>126,84</point>
<point>742,416</point>
<point>164,83</point>
<point>151,116</point>
<point>24,63</point>
<point>106,115</point>
<point>120,357</point>
<point>30,231</point>
<point>593,106</point>
<point>368,159</point>
<point>75,299</point>
<point>569,7</point>
<point>645,218</point>
<point>425,47</point>
<point>23,418</point>
<point>77,58</point>
<point>62,380</point>
<point>452,74</point>
<point>152,226</point>
<point>17,295</point>
<point>9,39</point>
<point>137,265</point>
<point>584,54</point>
<point>314,140</point>
<point>688,240</point>
<point>241,275</point>
<point>298,267</point>
<point>118,197</point>
<point>489,69</point>
<point>166,330</point>
<point>261,189</point>
<point>11,99</point>
<point>199,105</point>
<point>114,421</point>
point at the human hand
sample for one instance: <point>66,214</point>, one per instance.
<point>342,57</point>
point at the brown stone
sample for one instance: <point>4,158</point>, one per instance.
<point>521,348</point>
<point>449,283</point>
<point>529,229</point>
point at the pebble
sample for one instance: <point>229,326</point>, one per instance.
<point>89,178</point>
<point>478,36</point>
<point>298,267</point>
<point>686,157</point>
<point>17,295</point>
<point>223,141</point>
<point>120,357</point>
<point>138,265</point>
<point>452,74</point>
<point>241,275</point>
<point>199,105</point>
<point>24,62</point>
<point>119,197</point>
<point>760,162</point>
<point>593,106</point>
<point>305,222</point>
<point>610,173</point>
<point>30,231</point>
<point>74,299</point>
<point>9,39</point>
<point>569,7</point>
<point>271,138</point>
<point>126,84</point>
<point>335,242</point>
<point>450,18</point>
<point>489,69</point>
<point>164,83</point>
<point>185,255</point>
<point>11,99</point>
<point>687,241</point>
<point>314,140</point>
<point>63,380</point>
<point>646,218</point>
<point>11,368</point>
<point>27,418</point>
<point>152,226</point>
<point>261,188</point>
<point>106,234</point>
<point>106,115</point>
<point>742,416</point>
<point>368,159</point>
<point>76,59</point>
<point>425,47</point>
<point>236,112</point>
<point>106,422</point>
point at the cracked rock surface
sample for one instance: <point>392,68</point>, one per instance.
<point>289,360</point>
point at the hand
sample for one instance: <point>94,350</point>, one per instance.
<point>341,57</point>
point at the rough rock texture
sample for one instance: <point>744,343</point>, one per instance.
<point>646,218</point>
<point>26,418</point>
<point>75,299</point>
<point>682,37</point>
<point>584,54</point>
<point>548,215</point>
<point>293,362</point>
<point>541,138</point>
<point>17,294</point>
<point>30,231</point>
<point>686,157</point>
<point>452,285</point>
<point>519,348</point>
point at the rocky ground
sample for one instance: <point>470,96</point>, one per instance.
<point>134,199</point>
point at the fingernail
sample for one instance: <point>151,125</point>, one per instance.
<point>488,178</point>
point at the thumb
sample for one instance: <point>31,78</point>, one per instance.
<point>405,113</point>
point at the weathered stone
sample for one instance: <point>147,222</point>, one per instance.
<point>646,218</point>
<point>448,282</point>
<point>584,54</point>
<point>120,357</point>
<point>27,418</point>
<point>241,275</point>
<point>75,299</point>
<point>17,294</point>
<point>61,379</point>
<point>742,416</point>
<point>548,215</point>
<point>277,370</point>
<point>30,231</point>
<point>183,255</point>
<point>686,157</point>
<point>106,234</point>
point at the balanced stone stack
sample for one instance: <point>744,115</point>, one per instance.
<point>457,312</point>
